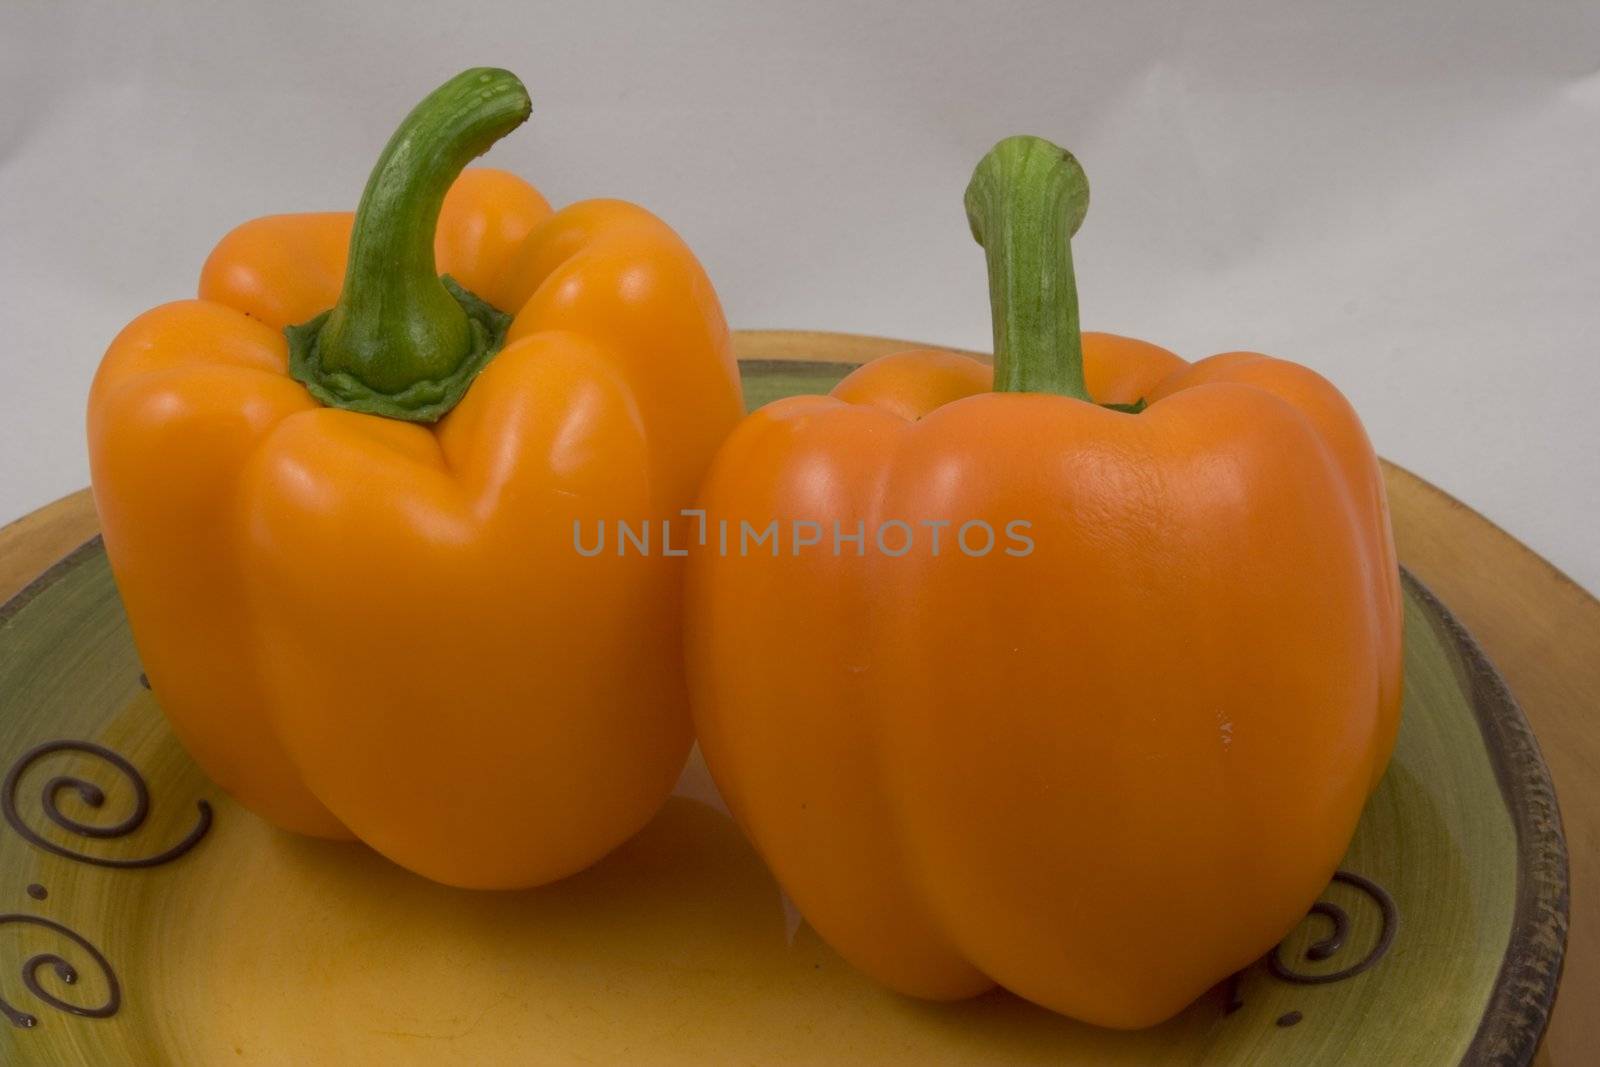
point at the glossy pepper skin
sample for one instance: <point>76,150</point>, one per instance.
<point>368,626</point>
<point>1104,773</point>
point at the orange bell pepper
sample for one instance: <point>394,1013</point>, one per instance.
<point>1084,701</point>
<point>346,555</point>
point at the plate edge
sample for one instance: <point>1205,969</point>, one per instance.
<point>767,365</point>
<point>1524,992</point>
<point>48,577</point>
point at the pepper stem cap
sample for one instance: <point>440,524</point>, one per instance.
<point>403,342</point>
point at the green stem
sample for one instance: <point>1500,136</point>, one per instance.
<point>401,341</point>
<point>1025,201</point>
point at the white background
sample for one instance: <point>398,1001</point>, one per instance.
<point>1405,196</point>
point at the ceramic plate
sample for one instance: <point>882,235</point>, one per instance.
<point>146,918</point>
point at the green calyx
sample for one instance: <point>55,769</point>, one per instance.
<point>1025,202</point>
<point>425,399</point>
<point>403,342</point>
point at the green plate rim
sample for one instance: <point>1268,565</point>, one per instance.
<point>1524,991</point>
<point>751,367</point>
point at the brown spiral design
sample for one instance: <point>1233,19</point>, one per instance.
<point>92,795</point>
<point>1328,946</point>
<point>65,971</point>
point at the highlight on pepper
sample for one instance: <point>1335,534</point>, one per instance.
<point>337,491</point>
